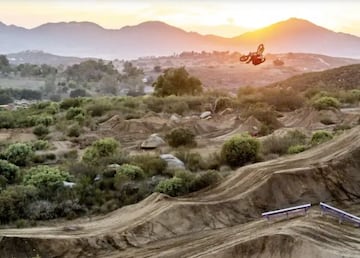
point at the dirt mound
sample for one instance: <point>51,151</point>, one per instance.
<point>251,125</point>
<point>225,218</point>
<point>312,119</point>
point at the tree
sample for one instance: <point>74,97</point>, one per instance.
<point>109,85</point>
<point>176,81</point>
<point>239,150</point>
<point>4,64</point>
<point>131,71</point>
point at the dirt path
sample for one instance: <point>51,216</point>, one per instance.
<point>222,221</point>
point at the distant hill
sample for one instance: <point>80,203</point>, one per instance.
<point>154,38</point>
<point>345,77</point>
<point>297,35</point>
<point>40,57</point>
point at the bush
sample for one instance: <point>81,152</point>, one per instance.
<point>203,180</point>
<point>281,144</point>
<point>240,150</point>
<point>40,145</point>
<point>154,104</point>
<point>9,171</point>
<point>174,186</point>
<point>74,131</point>
<point>19,154</point>
<point>192,160</point>
<point>150,164</point>
<point>41,130</point>
<point>102,148</point>
<point>320,137</point>
<point>68,103</point>
<point>41,210</point>
<point>326,103</point>
<point>98,109</point>
<point>7,120</point>
<point>296,149</point>
<point>180,137</point>
<point>44,120</point>
<point>47,179</point>
<point>130,171</point>
<point>222,103</point>
<point>13,202</point>
<point>73,112</point>
<point>176,107</point>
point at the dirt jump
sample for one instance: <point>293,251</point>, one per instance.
<point>223,221</point>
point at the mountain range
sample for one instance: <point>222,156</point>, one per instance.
<point>154,38</point>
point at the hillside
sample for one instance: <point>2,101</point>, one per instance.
<point>156,38</point>
<point>298,35</point>
<point>225,70</point>
<point>223,221</point>
<point>346,77</point>
<point>40,57</point>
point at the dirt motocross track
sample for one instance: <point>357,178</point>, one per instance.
<point>224,221</point>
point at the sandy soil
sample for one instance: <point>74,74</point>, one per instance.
<point>223,221</point>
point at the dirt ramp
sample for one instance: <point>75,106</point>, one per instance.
<point>328,172</point>
<point>312,119</point>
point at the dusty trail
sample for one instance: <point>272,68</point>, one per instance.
<point>222,221</point>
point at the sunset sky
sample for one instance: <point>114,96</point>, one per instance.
<point>225,18</point>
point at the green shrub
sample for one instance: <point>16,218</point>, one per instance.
<point>213,161</point>
<point>19,154</point>
<point>320,137</point>
<point>74,131</point>
<point>71,155</point>
<point>222,103</point>
<point>47,179</point>
<point>281,144</point>
<point>239,150</point>
<point>72,102</point>
<point>178,107</point>
<point>264,113</point>
<point>180,137</point>
<point>73,112</point>
<point>296,149</point>
<point>154,104</point>
<point>7,119</point>
<point>98,109</point>
<point>40,145</point>
<point>41,130</point>
<point>53,108</point>
<point>192,160</point>
<point>186,176</point>
<point>9,171</point>
<point>102,148</point>
<point>150,164</point>
<point>326,103</point>
<point>206,179</point>
<point>14,200</point>
<point>174,186</point>
<point>44,120</point>
<point>131,171</point>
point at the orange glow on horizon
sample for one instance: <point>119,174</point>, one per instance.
<point>228,18</point>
